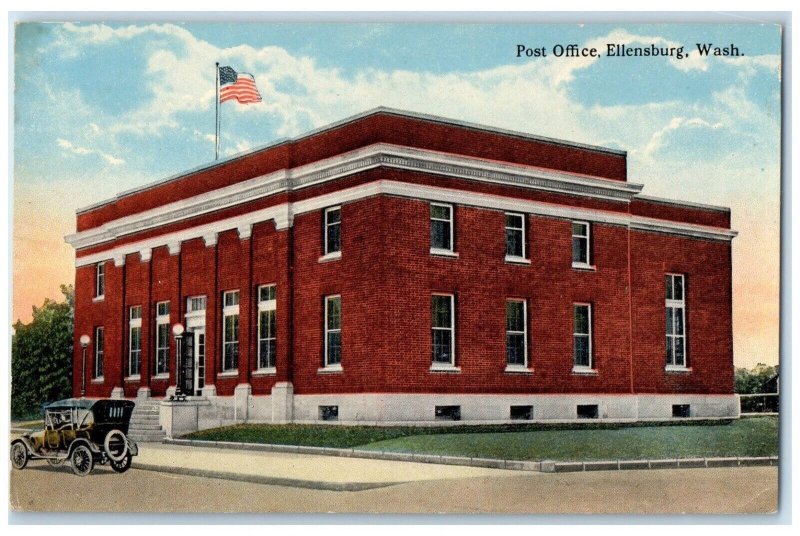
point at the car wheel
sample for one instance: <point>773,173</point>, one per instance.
<point>123,465</point>
<point>55,462</point>
<point>82,460</point>
<point>116,445</point>
<point>19,455</point>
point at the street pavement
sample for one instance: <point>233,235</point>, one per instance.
<point>293,483</point>
<point>742,490</point>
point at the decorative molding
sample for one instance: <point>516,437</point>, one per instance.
<point>174,247</point>
<point>283,215</point>
<point>210,239</point>
<point>686,229</point>
<point>145,254</point>
<point>359,160</point>
<point>119,259</point>
<point>245,231</point>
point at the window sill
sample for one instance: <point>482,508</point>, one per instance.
<point>517,260</point>
<point>99,298</point>
<point>335,256</point>
<point>269,371</point>
<point>675,368</point>
<point>517,369</point>
<point>161,377</point>
<point>585,267</point>
<point>99,380</point>
<point>228,374</point>
<point>134,378</point>
<point>584,371</point>
<point>330,369</point>
<point>444,367</point>
<point>444,253</point>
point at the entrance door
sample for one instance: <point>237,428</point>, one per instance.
<point>186,379</point>
<point>199,361</point>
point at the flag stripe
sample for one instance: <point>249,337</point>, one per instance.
<point>244,90</point>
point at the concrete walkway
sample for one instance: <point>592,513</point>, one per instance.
<point>299,470</point>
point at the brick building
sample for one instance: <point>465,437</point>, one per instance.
<point>396,267</point>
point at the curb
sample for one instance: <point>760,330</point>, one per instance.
<point>258,479</point>
<point>545,466</point>
<point>548,466</point>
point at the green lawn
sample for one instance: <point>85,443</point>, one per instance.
<point>746,437</point>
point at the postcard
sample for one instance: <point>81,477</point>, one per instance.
<point>407,268</point>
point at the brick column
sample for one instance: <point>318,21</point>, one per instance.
<point>118,390</point>
<point>148,341</point>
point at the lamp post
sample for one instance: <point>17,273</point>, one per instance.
<point>177,331</point>
<point>85,340</point>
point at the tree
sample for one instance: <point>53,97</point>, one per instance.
<point>41,356</point>
<point>752,381</point>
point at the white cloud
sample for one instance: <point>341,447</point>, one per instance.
<point>74,149</point>
<point>659,137</point>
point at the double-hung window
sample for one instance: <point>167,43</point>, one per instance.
<point>230,330</point>
<point>582,336</point>
<point>332,233</point>
<point>100,280</point>
<point>333,331</point>
<point>515,236</point>
<point>516,334</point>
<point>162,338</point>
<point>99,351</point>
<point>267,305</point>
<point>443,328</point>
<point>581,244</point>
<point>441,228</point>
<point>135,341</point>
<point>676,321</point>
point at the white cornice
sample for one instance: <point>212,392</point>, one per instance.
<point>329,169</point>
<point>641,223</point>
<point>284,213</point>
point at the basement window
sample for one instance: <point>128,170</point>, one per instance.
<point>587,411</point>
<point>329,413</point>
<point>681,410</point>
<point>448,413</point>
<point>521,413</point>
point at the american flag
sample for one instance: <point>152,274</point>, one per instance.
<point>239,86</point>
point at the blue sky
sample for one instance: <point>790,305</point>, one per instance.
<point>101,108</point>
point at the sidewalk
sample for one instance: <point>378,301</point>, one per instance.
<point>298,470</point>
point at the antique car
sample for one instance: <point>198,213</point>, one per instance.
<point>83,432</point>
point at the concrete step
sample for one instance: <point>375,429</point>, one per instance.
<point>144,426</point>
<point>135,420</point>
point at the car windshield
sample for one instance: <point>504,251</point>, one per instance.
<point>58,419</point>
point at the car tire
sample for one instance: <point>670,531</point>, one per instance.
<point>123,465</point>
<point>19,455</point>
<point>55,462</point>
<point>82,460</point>
<point>116,445</point>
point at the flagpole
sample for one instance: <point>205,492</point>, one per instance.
<point>216,126</point>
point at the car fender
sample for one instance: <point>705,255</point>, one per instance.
<point>82,441</point>
<point>28,445</point>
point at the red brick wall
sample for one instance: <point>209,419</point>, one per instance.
<point>707,268</point>
<point>357,278</point>
<point>670,211</point>
<point>386,276</point>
